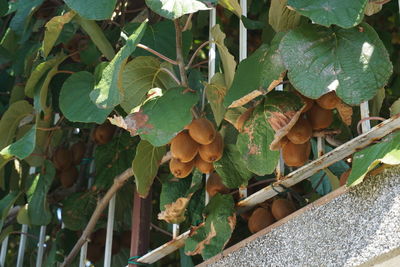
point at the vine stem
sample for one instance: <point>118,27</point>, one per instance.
<point>148,49</point>
<point>179,54</point>
<point>119,181</point>
<point>196,52</point>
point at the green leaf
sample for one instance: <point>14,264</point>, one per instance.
<point>228,61</point>
<point>375,104</point>
<point>387,152</point>
<point>231,5</point>
<point>53,30</point>
<point>210,239</point>
<point>3,7</point>
<point>5,205</point>
<point>97,36</point>
<point>281,18</point>
<point>77,210</point>
<point>75,102</point>
<point>256,75</point>
<point>173,9</point>
<point>38,207</point>
<point>254,141</point>
<point>139,76</point>
<point>232,168</point>
<point>395,108</point>
<point>93,9</point>
<point>11,119</point>
<point>108,93</point>
<point>21,148</point>
<point>343,13</point>
<point>161,118</point>
<point>25,8</point>
<point>252,24</point>
<point>216,91</point>
<point>145,165</point>
<point>23,216</point>
<point>353,62</point>
<point>172,190</point>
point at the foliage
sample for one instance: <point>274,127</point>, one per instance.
<point>110,83</point>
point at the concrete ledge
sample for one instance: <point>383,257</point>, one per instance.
<point>348,227</point>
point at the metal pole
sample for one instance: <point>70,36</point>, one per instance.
<point>42,236</point>
<point>110,229</point>
<point>22,243</point>
<point>212,53</point>
<point>280,168</point>
<point>243,33</point>
<point>364,109</point>
<point>3,253</point>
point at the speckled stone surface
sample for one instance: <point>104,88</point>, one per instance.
<point>352,229</point>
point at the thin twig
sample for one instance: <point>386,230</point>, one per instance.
<point>155,227</point>
<point>48,129</point>
<point>196,52</point>
<point>148,49</point>
<point>171,74</point>
<point>189,19</point>
<point>200,64</point>
<point>23,233</point>
<point>179,54</point>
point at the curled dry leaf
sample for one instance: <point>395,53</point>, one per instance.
<point>345,112</point>
<point>175,212</point>
<point>132,122</point>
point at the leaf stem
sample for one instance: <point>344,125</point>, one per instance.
<point>171,74</point>
<point>196,52</point>
<point>179,54</point>
<point>148,49</point>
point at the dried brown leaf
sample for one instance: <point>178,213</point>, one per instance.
<point>175,212</point>
<point>345,112</point>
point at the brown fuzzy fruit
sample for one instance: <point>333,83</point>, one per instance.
<point>183,147</point>
<point>213,151</point>
<point>281,208</point>
<point>104,133</point>
<point>94,252</point>
<point>215,185</point>
<point>62,158</point>
<point>296,155</point>
<point>68,176</point>
<point>319,118</point>
<point>78,152</point>
<point>126,239</point>
<point>202,131</point>
<point>203,166</point>
<point>260,219</point>
<point>180,169</point>
<point>344,177</point>
<point>301,132</point>
<point>328,101</point>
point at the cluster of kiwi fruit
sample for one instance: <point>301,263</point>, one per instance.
<point>317,115</point>
<point>198,145</point>
<point>65,161</point>
<point>95,250</point>
<point>267,213</point>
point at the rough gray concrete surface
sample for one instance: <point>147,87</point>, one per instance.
<point>352,229</point>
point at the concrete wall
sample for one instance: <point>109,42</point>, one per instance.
<point>348,227</point>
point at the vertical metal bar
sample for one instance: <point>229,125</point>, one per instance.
<point>22,243</point>
<point>320,146</point>
<point>110,229</point>
<point>3,253</point>
<point>212,52</point>
<point>42,236</point>
<point>83,255</point>
<point>364,109</point>
<point>207,195</point>
<point>243,33</point>
<point>175,230</point>
<point>280,168</point>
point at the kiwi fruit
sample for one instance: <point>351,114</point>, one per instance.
<point>214,185</point>
<point>328,101</point>
<point>281,208</point>
<point>319,118</point>
<point>183,147</point>
<point>94,252</point>
<point>180,169</point>
<point>301,132</point>
<point>213,151</point>
<point>203,166</point>
<point>68,176</point>
<point>62,158</point>
<point>125,238</point>
<point>344,177</point>
<point>296,155</point>
<point>202,131</point>
<point>78,152</point>
<point>103,133</point>
<point>260,219</point>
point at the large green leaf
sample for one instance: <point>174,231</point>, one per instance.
<point>25,8</point>
<point>232,168</point>
<point>77,210</point>
<point>145,165</point>
<point>139,76</point>
<point>172,190</point>
<point>108,92</point>
<point>353,62</point>
<point>257,74</point>
<point>53,31</point>
<point>75,102</point>
<point>38,207</point>
<point>5,205</point>
<point>282,18</point>
<point>387,152</point>
<point>210,239</point>
<point>93,9</point>
<point>173,9</point>
<point>344,13</point>
<point>231,5</point>
<point>161,118</point>
<point>21,148</point>
<point>254,141</point>
<point>216,91</point>
<point>11,119</point>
